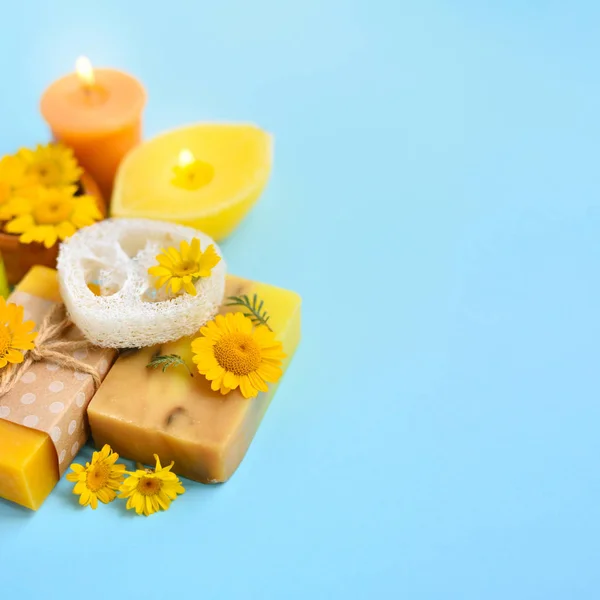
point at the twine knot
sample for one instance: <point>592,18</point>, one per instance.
<point>49,346</point>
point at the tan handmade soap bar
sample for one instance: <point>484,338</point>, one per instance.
<point>42,419</point>
<point>141,411</point>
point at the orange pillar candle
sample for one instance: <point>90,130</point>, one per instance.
<point>98,113</point>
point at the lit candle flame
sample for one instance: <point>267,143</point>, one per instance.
<point>186,158</point>
<point>85,71</point>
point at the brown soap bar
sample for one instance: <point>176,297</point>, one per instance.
<point>141,411</point>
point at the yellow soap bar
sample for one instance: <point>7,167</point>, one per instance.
<point>28,465</point>
<point>42,282</point>
<point>235,165</point>
<point>47,399</point>
<point>141,411</point>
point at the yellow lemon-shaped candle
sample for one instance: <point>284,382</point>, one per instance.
<point>205,176</point>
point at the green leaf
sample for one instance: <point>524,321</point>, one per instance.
<point>166,361</point>
<point>256,313</point>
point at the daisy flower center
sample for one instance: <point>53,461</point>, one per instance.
<point>47,171</point>
<point>98,476</point>
<point>149,486</point>
<point>50,213</point>
<point>238,353</point>
<point>5,339</point>
<point>185,267</point>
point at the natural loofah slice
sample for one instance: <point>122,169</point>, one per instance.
<point>115,255</point>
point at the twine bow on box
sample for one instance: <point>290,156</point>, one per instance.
<point>49,346</point>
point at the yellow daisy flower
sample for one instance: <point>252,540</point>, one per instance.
<point>53,165</point>
<point>151,490</point>
<point>12,178</point>
<point>98,480</point>
<point>46,215</point>
<point>232,352</point>
<point>182,269</point>
<point>15,334</point>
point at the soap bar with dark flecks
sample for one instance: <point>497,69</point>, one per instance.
<point>141,411</point>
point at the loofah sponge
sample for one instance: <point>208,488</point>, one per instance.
<point>130,313</point>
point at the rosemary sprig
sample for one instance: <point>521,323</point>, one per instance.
<point>257,315</point>
<point>166,361</point>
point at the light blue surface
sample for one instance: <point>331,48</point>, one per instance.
<point>435,200</point>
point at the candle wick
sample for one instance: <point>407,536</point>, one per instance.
<point>89,93</point>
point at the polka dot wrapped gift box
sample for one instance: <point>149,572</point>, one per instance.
<point>42,416</point>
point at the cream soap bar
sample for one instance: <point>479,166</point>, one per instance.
<point>141,411</point>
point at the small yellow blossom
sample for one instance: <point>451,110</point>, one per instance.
<point>151,490</point>
<point>183,269</point>
<point>12,178</point>
<point>45,215</point>
<point>16,335</point>
<point>52,165</point>
<point>98,480</point>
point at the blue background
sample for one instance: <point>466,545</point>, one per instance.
<point>435,200</point>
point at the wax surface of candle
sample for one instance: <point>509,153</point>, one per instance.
<point>98,114</point>
<point>140,411</point>
<point>227,167</point>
